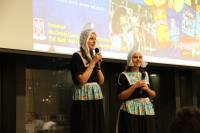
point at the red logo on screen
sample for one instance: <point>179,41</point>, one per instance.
<point>38,29</point>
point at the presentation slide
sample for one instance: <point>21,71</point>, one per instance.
<point>165,31</point>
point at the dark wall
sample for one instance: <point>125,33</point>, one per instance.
<point>12,81</point>
<point>112,103</point>
<point>165,102</point>
<point>7,92</point>
<point>196,85</point>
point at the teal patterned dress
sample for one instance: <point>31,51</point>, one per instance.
<point>87,115</point>
<point>136,113</point>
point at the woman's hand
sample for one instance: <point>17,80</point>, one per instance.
<point>97,57</point>
<point>140,83</point>
<point>145,87</point>
<point>150,92</point>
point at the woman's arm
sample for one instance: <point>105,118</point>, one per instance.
<point>83,78</point>
<point>150,92</point>
<point>100,76</point>
<point>126,93</point>
<point>147,88</point>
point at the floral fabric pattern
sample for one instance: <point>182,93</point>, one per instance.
<point>133,77</point>
<point>88,91</point>
<point>138,106</point>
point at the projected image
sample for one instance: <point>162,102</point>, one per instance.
<point>196,49</point>
<point>165,31</point>
<point>58,23</point>
<point>131,27</point>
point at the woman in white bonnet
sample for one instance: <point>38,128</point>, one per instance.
<point>87,114</point>
<point>136,113</point>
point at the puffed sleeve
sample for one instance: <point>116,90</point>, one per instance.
<point>122,83</point>
<point>77,67</point>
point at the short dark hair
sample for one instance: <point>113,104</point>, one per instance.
<point>187,120</point>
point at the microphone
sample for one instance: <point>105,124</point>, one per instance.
<point>99,62</point>
<point>142,78</point>
<point>96,50</point>
<point>143,75</point>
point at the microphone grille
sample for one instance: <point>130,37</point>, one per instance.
<point>96,50</point>
<point>143,75</point>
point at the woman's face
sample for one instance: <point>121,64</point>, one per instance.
<point>92,41</point>
<point>137,59</point>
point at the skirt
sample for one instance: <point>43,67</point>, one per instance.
<point>136,116</point>
<point>87,114</point>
